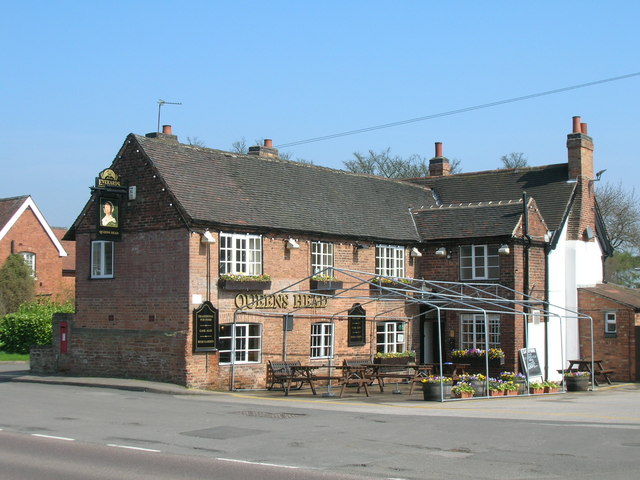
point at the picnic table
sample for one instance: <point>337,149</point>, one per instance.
<point>293,373</point>
<point>367,373</point>
<point>585,365</point>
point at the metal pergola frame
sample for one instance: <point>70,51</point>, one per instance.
<point>439,296</point>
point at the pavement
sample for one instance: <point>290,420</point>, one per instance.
<point>608,404</point>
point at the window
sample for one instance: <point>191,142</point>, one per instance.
<point>479,262</point>
<point>321,340</point>
<point>321,257</point>
<point>390,260</point>
<point>30,259</point>
<point>390,337</point>
<point>247,337</point>
<point>240,253</point>
<point>101,259</point>
<point>473,334</point>
<point>610,325</point>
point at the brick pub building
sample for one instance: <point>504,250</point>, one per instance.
<point>170,229</point>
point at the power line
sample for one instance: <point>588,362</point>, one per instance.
<point>455,112</point>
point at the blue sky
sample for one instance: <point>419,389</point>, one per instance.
<point>78,76</point>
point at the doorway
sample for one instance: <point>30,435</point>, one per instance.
<point>430,347</point>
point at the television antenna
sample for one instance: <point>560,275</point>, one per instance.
<point>160,104</point>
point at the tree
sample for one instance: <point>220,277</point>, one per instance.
<point>17,286</point>
<point>621,214</point>
<point>514,160</point>
<point>196,142</point>
<point>624,269</point>
<point>384,164</point>
<point>240,146</point>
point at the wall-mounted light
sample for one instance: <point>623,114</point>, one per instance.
<point>361,246</point>
<point>207,237</point>
<point>415,252</point>
<point>292,244</point>
<point>442,252</point>
<point>504,249</point>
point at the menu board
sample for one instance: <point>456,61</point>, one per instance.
<point>530,363</point>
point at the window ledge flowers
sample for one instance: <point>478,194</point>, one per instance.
<point>230,281</point>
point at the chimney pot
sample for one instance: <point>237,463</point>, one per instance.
<point>576,125</point>
<point>268,142</point>
<point>583,128</point>
<point>166,129</point>
<point>438,149</point>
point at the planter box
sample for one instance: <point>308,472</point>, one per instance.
<point>377,290</point>
<point>325,285</point>
<point>463,395</point>
<point>394,360</point>
<point>496,393</point>
<point>251,285</point>
<point>577,384</point>
<point>510,393</point>
<point>432,391</point>
<point>536,391</point>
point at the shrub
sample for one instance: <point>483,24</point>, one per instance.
<point>30,325</point>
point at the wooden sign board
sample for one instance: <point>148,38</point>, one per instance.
<point>530,363</point>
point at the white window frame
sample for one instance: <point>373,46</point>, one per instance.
<point>30,259</point>
<point>390,337</point>
<point>390,260</point>
<point>610,319</point>
<point>322,258</point>
<point>479,262</point>
<point>102,255</point>
<point>240,253</point>
<point>247,338</point>
<point>321,340</point>
<point>472,331</point>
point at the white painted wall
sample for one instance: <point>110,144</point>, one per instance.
<point>572,264</point>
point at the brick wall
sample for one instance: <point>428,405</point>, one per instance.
<point>617,351</point>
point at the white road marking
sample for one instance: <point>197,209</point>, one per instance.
<point>52,437</point>
<point>128,447</point>
<point>255,463</point>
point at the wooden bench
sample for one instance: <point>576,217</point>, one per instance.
<point>280,372</point>
<point>354,374</point>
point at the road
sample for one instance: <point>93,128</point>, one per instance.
<point>586,435</point>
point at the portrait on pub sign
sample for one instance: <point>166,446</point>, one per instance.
<point>108,213</point>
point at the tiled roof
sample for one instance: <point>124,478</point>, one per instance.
<point>8,207</point>
<point>618,293</point>
<point>228,189</point>
<point>547,185</point>
<point>476,220</point>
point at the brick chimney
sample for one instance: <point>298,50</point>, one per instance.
<point>166,134</point>
<point>582,218</point>
<point>580,148</point>
<point>439,165</point>
<point>264,151</point>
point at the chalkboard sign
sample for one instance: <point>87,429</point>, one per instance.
<point>357,326</point>
<point>530,363</point>
<point>205,328</point>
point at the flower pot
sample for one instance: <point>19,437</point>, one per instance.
<point>536,391</point>
<point>510,393</point>
<point>479,388</point>
<point>463,395</point>
<point>433,392</point>
<point>550,390</point>
<point>522,386</point>
<point>496,393</point>
<point>577,384</point>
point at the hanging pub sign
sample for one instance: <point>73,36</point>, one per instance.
<point>205,328</point>
<point>357,326</point>
<point>108,217</point>
<point>110,190</point>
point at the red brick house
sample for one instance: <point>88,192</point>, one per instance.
<point>24,231</point>
<point>169,228</point>
<point>615,311</point>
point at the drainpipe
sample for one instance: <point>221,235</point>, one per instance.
<point>527,245</point>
